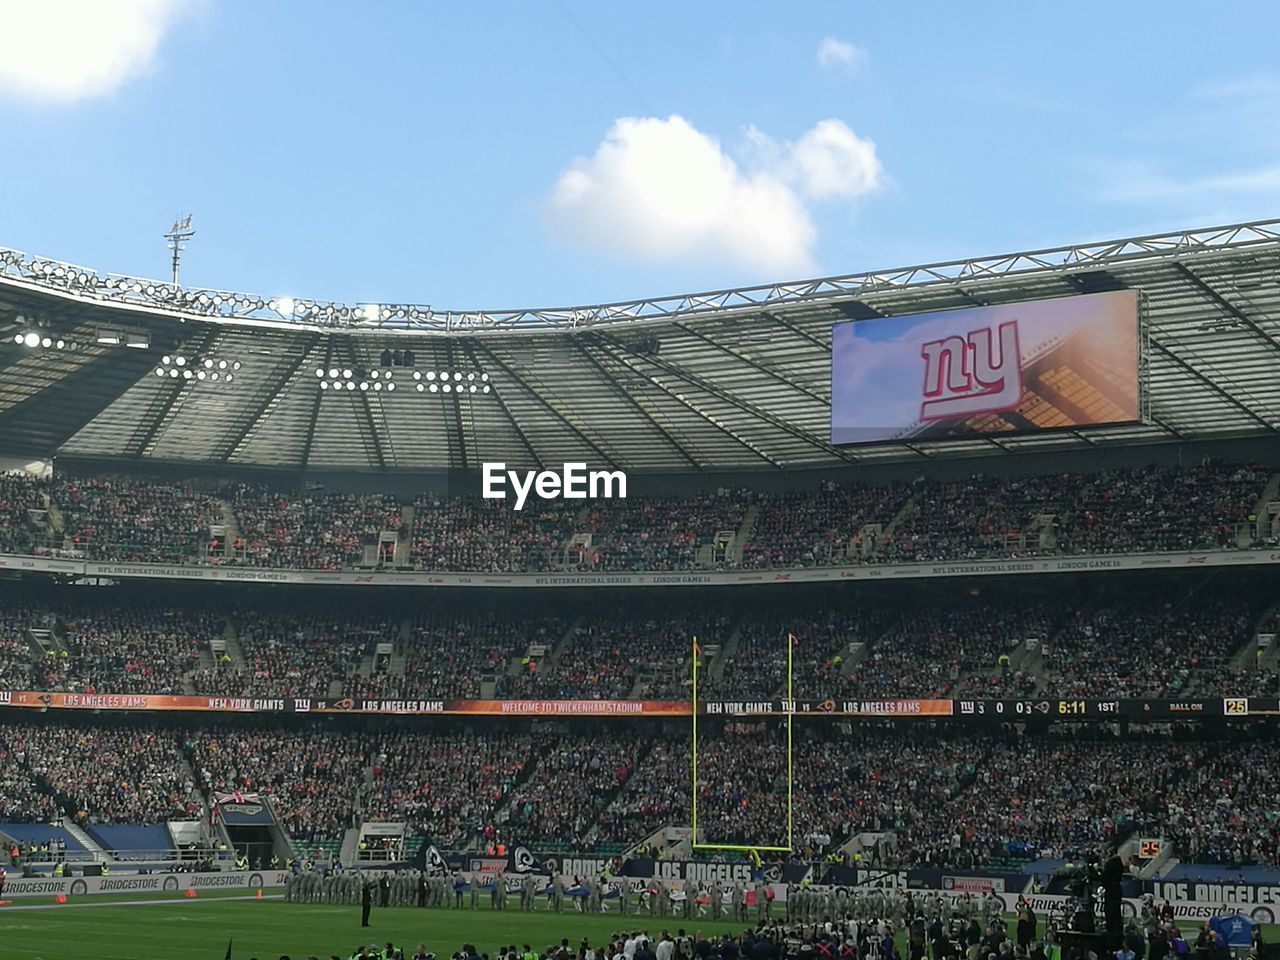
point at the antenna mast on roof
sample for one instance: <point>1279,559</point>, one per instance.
<point>177,236</point>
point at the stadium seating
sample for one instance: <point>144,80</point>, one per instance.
<point>1112,511</point>
<point>315,531</point>
<point>948,797</point>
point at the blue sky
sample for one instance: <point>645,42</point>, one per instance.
<point>491,155</point>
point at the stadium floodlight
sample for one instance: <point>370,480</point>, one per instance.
<point>180,360</point>
<point>186,374</point>
<point>324,384</point>
<point>364,384</point>
<point>417,375</point>
<point>46,342</point>
<point>229,378</point>
<point>166,359</point>
<point>31,339</point>
<point>285,305</point>
<point>376,374</point>
<point>18,338</point>
<point>471,376</point>
<point>159,371</point>
<point>431,375</point>
<point>351,384</point>
<point>60,344</point>
<point>390,387</point>
<point>222,364</point>
<point>346,373</point>
<point>472,388</point>
<point>333,373</point>
<point>435,388</point>
<point>138,341</point>
<point>235,364</point>
<point>447,388</point>
<point>420,388</point>
<point>484,377</point>
<point>200,375</point>
<point>457,375</point>
<point>319,371</point>
<point>214,376</point>
<point>378,386</point>
<point>486,388</point>
<point>108,338</point>
<point>208,364</point>
<point>173,372</point>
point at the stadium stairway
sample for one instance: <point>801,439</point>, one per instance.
<point>558,650</point>
<point>1269,495</point>
<point>232,526</point>
<point>908,508</point>
<point>56,521</point>
<point>232,639</point>
<point>350,842</point>
<point>745,529</point>
<point>82,837</point>
<point>404,539</point>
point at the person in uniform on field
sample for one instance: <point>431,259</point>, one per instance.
<point>366,903</point>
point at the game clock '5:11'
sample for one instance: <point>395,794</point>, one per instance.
<point>1071,707</point>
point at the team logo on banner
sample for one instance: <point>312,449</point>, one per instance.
<point>523,859</point>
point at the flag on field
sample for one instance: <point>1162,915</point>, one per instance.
<point>697,649</point>
<point>795,641</point>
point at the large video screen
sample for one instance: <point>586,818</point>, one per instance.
<point>1017,367</point>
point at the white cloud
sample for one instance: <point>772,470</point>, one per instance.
<point>836,54</point>
<point>663,191</point>
<point>61,51</point>
<point>828,162</point>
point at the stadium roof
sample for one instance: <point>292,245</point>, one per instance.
<point>729,380</point>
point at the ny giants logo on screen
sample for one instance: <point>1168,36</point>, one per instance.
<point>971,375</point>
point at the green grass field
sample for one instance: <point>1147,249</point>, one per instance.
<point>177,928</point>
<point>182,929</point>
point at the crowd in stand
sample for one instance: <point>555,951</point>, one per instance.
<point>129,648</point>
<point>1191,637</point>
<point>296,654</point>
<point>311,778</point>
<point>571,783</point>
<point>112,774</point>
<point>1147,644</point>
<point>446,787</point>
<point>1113,511</point>
<point>22,800</point>
<point>19,493</point>
<point>806,528</point>
<point>655,533</point>
<point>945,649</point>
<point>312,531</point>
<point>945,796</point>
<point>450,652</point>
<point>112,518</point>
<point>487,536</point>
